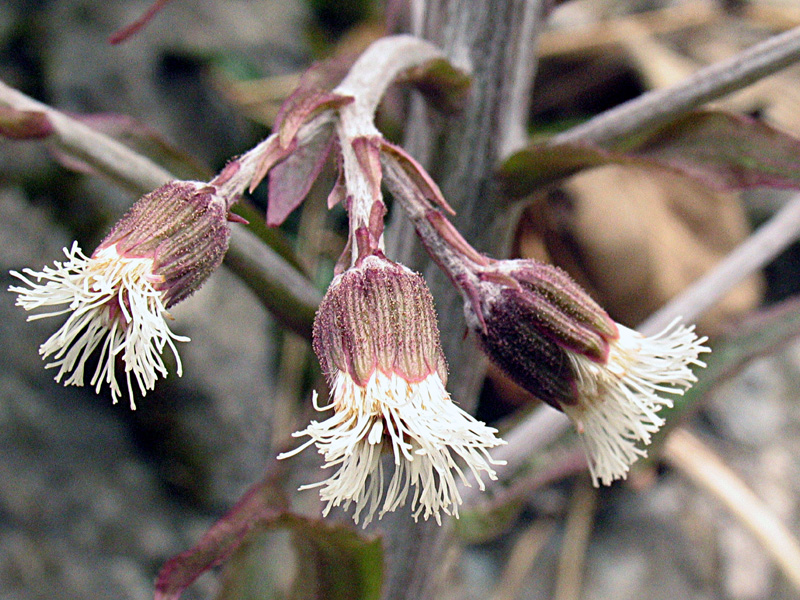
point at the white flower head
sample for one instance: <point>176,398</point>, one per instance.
<point>618,402</point>
<point>376,337</point>
<point>117,299</point>
<point>545,332</point>
<point>112,305</point>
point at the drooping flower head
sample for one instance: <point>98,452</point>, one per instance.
<point>378,343</point>
<point>548,335</point>
<point>116,300</point>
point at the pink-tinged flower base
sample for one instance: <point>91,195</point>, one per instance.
<point>619,401</point>
<point>418,424</point>
<point>112,305</point>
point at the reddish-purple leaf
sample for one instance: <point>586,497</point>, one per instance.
<point>290,180</point>
<point>332,562</point>
<point>123,34</point>
<point>419,176</point>
<point>339,190</point>
<point>24,124</point>
<point>272,155</point>
<point>724,151</point>
<point>367,151</point>
<point>300,107</point>
<point>260,504</point>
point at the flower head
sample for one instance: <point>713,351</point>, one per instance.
<point>378,343</point>
<point>160,252</point>
<point>549,336</point>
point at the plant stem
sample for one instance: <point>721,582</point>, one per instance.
<point>495,42</point>
<point>366,82</point>
<point>663,105</point>
<point>292,297</point>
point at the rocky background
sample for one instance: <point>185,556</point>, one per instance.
<point>94,498</point>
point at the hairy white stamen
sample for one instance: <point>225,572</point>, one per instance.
<point>422,429</point>
<point>112,305</point>
<point>619,401</point>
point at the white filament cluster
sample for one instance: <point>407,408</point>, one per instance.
<point>112,305</point>
<point>619,401</point>
<point>415,422</point>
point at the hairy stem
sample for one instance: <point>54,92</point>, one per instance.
<point>714,81</point>
<point>496,42</point>
<point>366,83</point>
<point>259,267</point>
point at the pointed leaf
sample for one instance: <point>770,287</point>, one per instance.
<point>443,85</point>
<point>367,151</point>
<point>260,504</point>
<point>724,151</point>
<point>419,176</point>
<point>334,562</point>
<point>300,107</point>
<point>271,155</point>
<point>330,562</point>
<point>291,180</point>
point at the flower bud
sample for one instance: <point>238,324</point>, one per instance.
<point>379,316</point>
<point>547,334</point>
<point>182,226</point>
<point>378,343</point>
<point>159,253</point>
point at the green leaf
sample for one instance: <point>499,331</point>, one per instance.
<point>316,561</point>
<point>271,553</point>
<point>722,150</point>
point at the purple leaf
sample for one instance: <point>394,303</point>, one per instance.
<point>24,124</point>
<point>367,151</point>
<point>419,176</point>
<point>290,180</point>
<point>300,107</point>
<point>271,156</point>
<point>724,151</point>
<point>334,563</point>
<point>123,34</point>
<point>260,504</point>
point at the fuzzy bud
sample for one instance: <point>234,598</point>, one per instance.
<point>379,315</point>
<point>548,335</point>
<point>182,227</point>
<point>378,343</point>
<point>528,315</point>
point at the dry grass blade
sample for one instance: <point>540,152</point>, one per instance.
<point>520,562</point>
<point>687,454</point>
<point>569,578</point>
<point>597,37</point>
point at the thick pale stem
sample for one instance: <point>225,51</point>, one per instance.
<point>366,83</point>
<point>712,82</point>
<point>496,41</point>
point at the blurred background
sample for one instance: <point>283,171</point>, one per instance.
<point>95,498</point>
